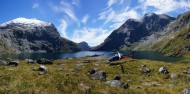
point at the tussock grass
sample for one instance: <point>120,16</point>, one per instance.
<point>73,78</point>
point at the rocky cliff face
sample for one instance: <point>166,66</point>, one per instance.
<point>134,30</point>
<point>173,40</point>
<point>84,46</point>
<point>32,35</point>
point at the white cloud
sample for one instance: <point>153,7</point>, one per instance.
<point>93,36</point>
<point>62,28</point>
<point>112,2</point>
<point>118,17</point>
<point>164,6</point>
<point>85,19</point>
<point>66,8</point>
<point>35,5</point>
<point>76,3</point>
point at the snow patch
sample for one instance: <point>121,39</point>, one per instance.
<point>27,22</point>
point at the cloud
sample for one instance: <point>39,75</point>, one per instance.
<point>65,8</point>
<point>76,3</point>
<point>117,18</point>
<point>85,19</point>
<point>62,28</point>
<point>164,6</point>
<point>112,2</point>
<point>35,5</point>
<point>93,36</point>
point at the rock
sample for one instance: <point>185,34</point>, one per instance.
<point>44,61</point>
<point>143,65</point>
<point>117,78</point>
<point>42,69</point>
<point>186,71</point>
<point>186,90</point>
<point>84,87</point>
<point>13,63</point>
<point>145,70</point>
<point>163,70</point>
<point>86,61</point>
<point>30,61</point>
<point>92,71</point>
<point>118,83</point>
<point>99,75</point>
<point>3,63</point>
<point>173,75</point>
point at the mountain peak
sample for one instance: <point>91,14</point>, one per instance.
<point>26,22</point>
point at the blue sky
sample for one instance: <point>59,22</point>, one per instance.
<point>88,20</point>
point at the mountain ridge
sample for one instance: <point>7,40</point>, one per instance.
<point>33,36</point>
<point>128,33</point>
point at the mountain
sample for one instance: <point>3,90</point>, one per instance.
<point>134,30</point>
<point>174,40</point>
<point>84,46</point>
<point>23,35</point>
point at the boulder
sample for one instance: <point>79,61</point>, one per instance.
<point>117,77</point>
<point>163,70</point>
<point>186,90</point>
<point>13,63</point>
<point>173,75</point>
<point>86,61</point>
<point>92,71</point>
<point>30,61</point>
<point>42,69</point>
<point>44,61</point>
<point>99,75</point>
<point>186,71</point>
<point>3,63</point>
<point>145,70</point>
<point>118,83</point>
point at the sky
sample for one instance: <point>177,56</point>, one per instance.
<point>88,20</point>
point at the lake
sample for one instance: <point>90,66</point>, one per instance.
<point>136,54</point>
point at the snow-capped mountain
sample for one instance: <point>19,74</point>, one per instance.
<point>32,35</point>
<point>26,22</point>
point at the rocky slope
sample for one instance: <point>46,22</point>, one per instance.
<point>174,40</point>
<point>134,30</point>
<point>32,35</point>
<point>84,46</point>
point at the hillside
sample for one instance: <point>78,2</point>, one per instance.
<point>173,41</point>
<point>70,76</point>
<point>84,46</point>
<point>134,30</point>
<point>23,35</point>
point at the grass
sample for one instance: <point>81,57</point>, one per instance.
<point>73,77</point>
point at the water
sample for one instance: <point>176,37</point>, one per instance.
<point>136,54</point>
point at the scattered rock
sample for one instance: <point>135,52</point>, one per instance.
<point>154,83</point>
<point>86,61</point>
<point>99,75</point>
<point>117,78</point>
<point>186,90</point>
<point>30,61</point>
<point>84,87</point>
<point>3,63</point>
<point>44,61</point>
<point>173,75</point>
<point>118,83</point>
<point>92,71</point>
<point>42,69</point>
<point>143,65</point>
<point>186,71</point>
<point>145,70</point>
<point>163,70</point>
<point>13,63</point>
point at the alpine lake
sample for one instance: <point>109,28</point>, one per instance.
<point>149,55</point>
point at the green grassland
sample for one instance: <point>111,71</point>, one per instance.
<point>73,78</point>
